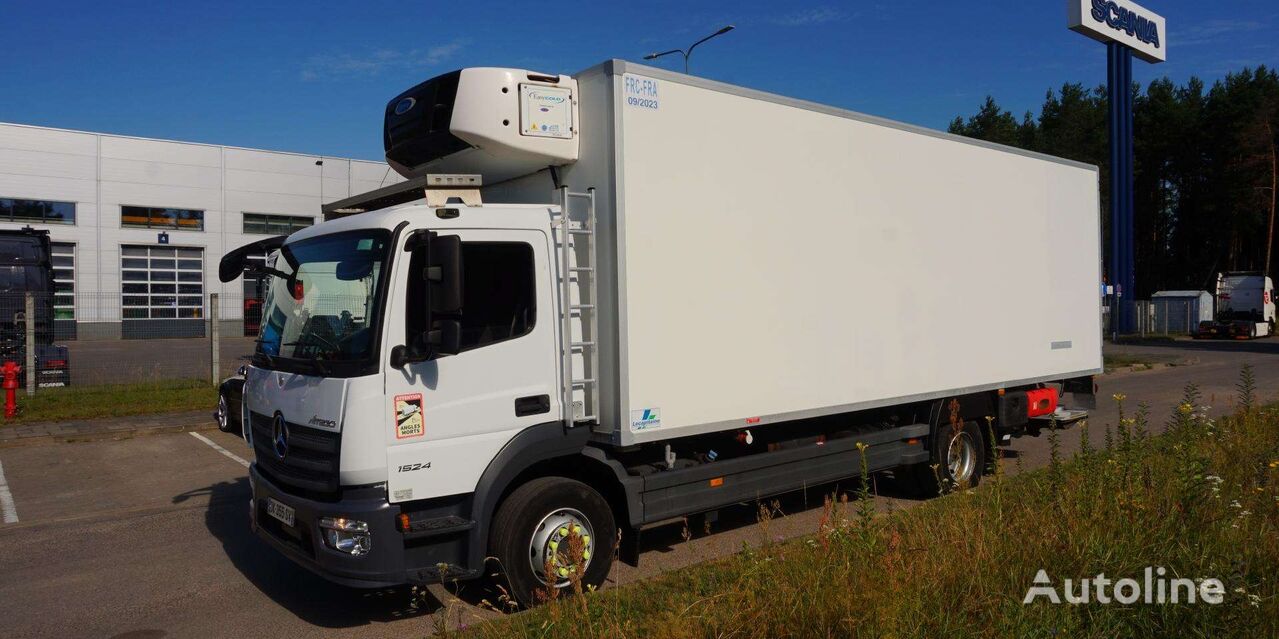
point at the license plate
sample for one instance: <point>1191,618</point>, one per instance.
<point>279,511</point>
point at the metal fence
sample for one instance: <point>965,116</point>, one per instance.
<point>119,338</point>
<point>1168,316</point>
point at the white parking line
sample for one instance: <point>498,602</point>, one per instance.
<point>7,507</point>
<point>238,459</point>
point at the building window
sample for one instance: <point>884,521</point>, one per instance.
<point>161,282</point>
<point>39,211</point>
<point>63,281</point>
<point>156,218</point>
<point>267,224</point>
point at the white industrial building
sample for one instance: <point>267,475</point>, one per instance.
<point>139,225</point>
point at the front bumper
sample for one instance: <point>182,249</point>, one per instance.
<point>383,565</point>
<point>435,550</point>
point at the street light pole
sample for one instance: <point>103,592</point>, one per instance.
<point>689,52</point>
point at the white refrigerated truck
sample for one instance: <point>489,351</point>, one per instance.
<point>606,301</point>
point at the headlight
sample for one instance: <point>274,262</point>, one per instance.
<point>346,535</point>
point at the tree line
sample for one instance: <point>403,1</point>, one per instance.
<point>1205,169</point>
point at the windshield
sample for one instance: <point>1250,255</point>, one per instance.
<point>322,299</point>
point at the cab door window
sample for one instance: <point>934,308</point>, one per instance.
<point>499,294</point>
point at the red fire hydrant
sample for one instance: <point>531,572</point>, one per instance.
<point>10,371</point>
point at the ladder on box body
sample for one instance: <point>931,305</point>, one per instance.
<point>584,268</point>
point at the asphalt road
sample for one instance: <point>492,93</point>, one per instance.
<point>149,537</point>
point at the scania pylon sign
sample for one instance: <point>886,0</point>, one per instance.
<point>1121,21</point>
<point>1128,29</point>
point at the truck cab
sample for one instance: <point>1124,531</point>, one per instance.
<point>1245,307</point>
<point>369,386</point>
<point>26,270</point>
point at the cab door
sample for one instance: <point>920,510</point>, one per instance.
<point>448,417</point>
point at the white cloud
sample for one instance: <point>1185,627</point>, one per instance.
<point>370,63</point>
<point>807,17</point>
<point>1214,31</point>
<point>440,53</point>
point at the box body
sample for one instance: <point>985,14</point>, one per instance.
<point>766,259</point>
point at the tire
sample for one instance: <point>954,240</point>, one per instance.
<point>960,456</point>
<point>223,416</point>
<point>529,526</point>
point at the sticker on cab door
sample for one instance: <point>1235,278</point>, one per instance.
<point>646,418</point>
<point>408,416</point>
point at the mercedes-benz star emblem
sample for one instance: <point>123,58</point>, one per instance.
<point>280,436</point>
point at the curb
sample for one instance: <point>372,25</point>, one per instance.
<point>106,432</point>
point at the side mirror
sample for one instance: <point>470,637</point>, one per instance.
<point>445,338</point>
<point>233,263</point>
<point>443,275</point>
<point>433,325</point>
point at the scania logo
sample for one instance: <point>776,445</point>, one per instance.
<point>280,436</point>
<point>404,106</point>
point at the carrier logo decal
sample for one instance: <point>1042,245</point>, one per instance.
<point>408,416</point>
<point>646,418</point>
<point>546,112</point>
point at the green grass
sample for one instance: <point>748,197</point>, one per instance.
<point>1201,501</point>
<point>87,402</point>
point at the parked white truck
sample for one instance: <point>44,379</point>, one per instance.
<point>608,301</point>
<point>1245,307</point>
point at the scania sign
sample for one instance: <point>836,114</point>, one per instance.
<point>1121,21</point>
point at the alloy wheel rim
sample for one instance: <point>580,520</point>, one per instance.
<point>961,458</point>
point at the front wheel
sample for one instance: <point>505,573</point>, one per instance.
<point>223,416</point>
<point>959,454</point>
<point>549,533</point>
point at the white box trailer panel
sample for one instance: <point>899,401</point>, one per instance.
<point>779,259</point>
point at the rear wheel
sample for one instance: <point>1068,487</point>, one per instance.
<point>549,532</point>
<point>959,454</point>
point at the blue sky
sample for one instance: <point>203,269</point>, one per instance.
<point>313,77</point>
